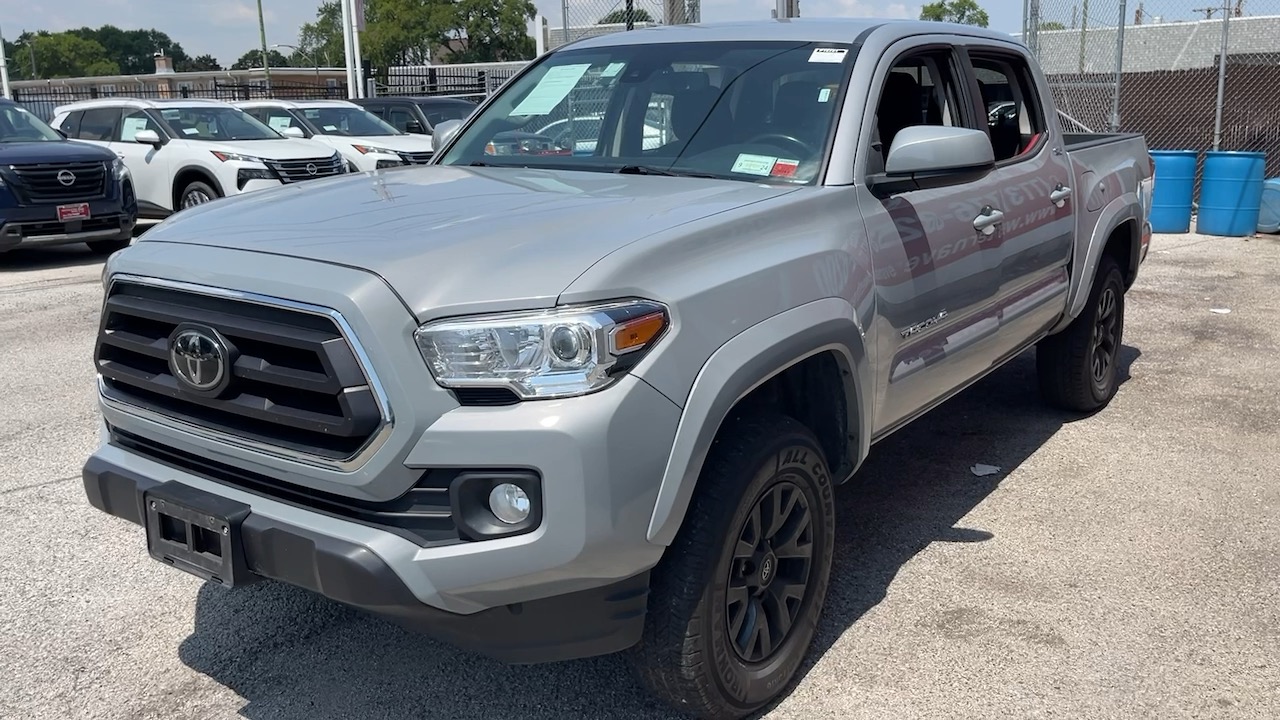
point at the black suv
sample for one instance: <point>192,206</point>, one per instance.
<point>417,114</point>
<point>55,191</point>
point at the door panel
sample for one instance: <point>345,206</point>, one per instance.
<point>148,166</point>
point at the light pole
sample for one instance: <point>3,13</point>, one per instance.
<point>262,36</point>
<point>295,48</point>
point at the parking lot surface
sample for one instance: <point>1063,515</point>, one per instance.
<point>1121,565</point>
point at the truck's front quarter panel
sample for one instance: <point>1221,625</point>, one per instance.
<point>594,459</point>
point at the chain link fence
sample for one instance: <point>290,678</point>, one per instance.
<point>580,19</point>
<point>1158,67</point>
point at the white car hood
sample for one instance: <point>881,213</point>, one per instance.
<point>282,149</point>
<point>399,143</point>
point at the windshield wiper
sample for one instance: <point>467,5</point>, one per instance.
<point>650,170</point>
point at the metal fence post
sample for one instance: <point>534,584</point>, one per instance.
<point>1222,76</point>
<point>1115,92</point>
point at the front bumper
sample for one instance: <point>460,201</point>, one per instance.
<point>592,622</point>
<point>39,225</point>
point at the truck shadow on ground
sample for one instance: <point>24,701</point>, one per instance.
<point>294,655</point>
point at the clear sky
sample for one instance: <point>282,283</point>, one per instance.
<point>227,28</point>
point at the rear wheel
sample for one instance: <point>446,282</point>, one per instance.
<point>735,602</point>
<point>1078,367</point>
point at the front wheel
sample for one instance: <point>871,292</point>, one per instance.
<point>1079,367</point>
<point>735,602</point>
<point>196,193</point>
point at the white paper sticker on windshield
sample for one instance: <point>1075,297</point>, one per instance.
<point>331,128</point>
<point>824,94</point>
<point>613,69</point>
<point>551,90</point>
<point>760,165</point>
<point>279,122</point>
<point>828,55</point>
<point>133,126</point>
<point>190,131</point>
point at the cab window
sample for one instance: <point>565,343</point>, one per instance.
<point>1014,118</point>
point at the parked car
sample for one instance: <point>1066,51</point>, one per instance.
<point>363,139</point>
<point>581,134</point>
<point>418,115</point>
<point>54,191</point>
<point>547,407</point>
<point>181,153</point>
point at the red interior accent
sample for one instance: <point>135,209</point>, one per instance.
<point>1030,143</point>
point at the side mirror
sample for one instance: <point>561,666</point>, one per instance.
<point>938,150</point>
<point>415,127</point>
<point>147,137</point>
<point>444,133</point>
<point>293,132</point>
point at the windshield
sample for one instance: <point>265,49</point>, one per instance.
<point>345,121</point>
<point>215,123</point>
<point>18,125</point>
<point>437,114</point>
<point>748,111</point>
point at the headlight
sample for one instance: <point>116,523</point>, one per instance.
<point>366,149</point>
<point>117,169</point>
<point>545,354</point>
<point>225,156</point>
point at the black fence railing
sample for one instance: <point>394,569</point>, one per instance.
<point>43,101</point>
<point>468,81</point>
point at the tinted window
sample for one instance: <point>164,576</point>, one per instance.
<point>437,115</point>
<point>99,124</point>
<point>345,121</point>
<point>1014,118</point>
<point>399,118</point>
<point>748,110</point>
<point>71,125</point>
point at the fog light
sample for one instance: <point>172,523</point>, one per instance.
<point>509,503</point>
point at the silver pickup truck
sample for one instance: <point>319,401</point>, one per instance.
<point>560,399</point>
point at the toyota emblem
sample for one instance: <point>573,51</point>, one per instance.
<point>67,178</point>
<point>312,169</point>
<point>199,359</point>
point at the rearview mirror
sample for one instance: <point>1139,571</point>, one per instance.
<point>444,133</point>
<point>293,132</point>
<point>932,149</point>
<point>147,137</point>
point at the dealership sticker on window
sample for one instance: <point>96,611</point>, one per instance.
<point>279,122</point>
<point>553,88</point>
<point>785,168</point>
<point>760,165</point>
<point>828,55</point>
<point>824,94</point>
<point>613,69</point>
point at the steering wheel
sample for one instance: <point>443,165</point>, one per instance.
<point>794,143</point>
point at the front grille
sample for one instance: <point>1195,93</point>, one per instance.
<point>78,182</point>
<point>422,515</point>
<point>298,170</point>
<point>35,230</point>
<point>295,382</point>
<point>416,158</point>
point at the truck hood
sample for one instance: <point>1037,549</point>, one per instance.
<point>454,240</point>
<point>52,151</point>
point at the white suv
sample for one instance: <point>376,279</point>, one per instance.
<point>187,152</point>
<point>364,139</point>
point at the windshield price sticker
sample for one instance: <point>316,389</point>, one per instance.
<point>785,168</point>
<point>828,55</point>
<point>612,69</point>
<point>760,165</point>
<point>551,90</point>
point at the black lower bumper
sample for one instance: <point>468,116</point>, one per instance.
<point>582,624</point>
<point>107,228</point>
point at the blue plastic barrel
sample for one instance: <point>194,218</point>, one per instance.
<point>1174,188</point>
<point>1269,213</point>
<point>1231,193</point>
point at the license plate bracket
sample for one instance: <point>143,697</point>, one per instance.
<point>197,532</point>
<point>74,212</point>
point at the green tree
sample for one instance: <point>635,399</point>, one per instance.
<point>1051,25</point>
<point>619,17</point>
<point>134,50</point>
<point>253,59</point>
<point>495,30</point>
<point>203,63</point>
<point>965,12</point>
<point>403,32</point>
<point>57,55</point>
<point>321,41</point>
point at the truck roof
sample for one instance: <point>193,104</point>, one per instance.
<point>844,30</point>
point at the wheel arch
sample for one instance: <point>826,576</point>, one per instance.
<point>811,340</point>
<point>188,174</point>
<point>1118,232</point>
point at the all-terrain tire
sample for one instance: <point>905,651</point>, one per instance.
<point>1078,367</point>
<point>763,470</point>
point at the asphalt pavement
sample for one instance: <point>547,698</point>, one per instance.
<point>1124,565</point>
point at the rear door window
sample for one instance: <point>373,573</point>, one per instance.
<point>99,124</point>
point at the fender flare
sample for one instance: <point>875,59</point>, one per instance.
<point>1125,208</point>
<point>211,177</point>
<point>742,364</point>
